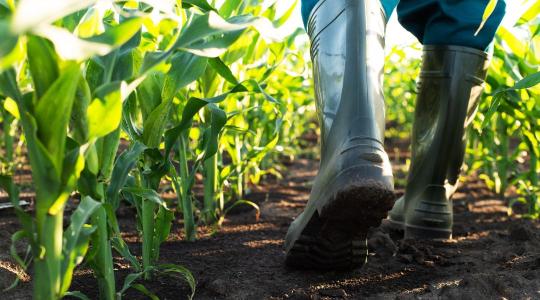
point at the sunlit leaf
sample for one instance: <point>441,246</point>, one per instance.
<point>487,13</point>
<point>105,112</point>
<point>71,47</point>
<point>31,14</point>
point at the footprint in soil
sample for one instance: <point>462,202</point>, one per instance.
<point>389,248</point>
<point>467,276</point>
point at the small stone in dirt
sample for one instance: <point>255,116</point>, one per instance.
<point>336,293</point>
<point>218,286</point>
<point>419,257</point>
<point>520,233</point>
<point>429,263</point>
<point>531,275</point>
<point>536,263</point>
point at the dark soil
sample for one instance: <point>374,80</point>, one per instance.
<point>491,255</point>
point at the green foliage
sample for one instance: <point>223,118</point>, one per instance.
<point>119,101</point>
<point>504,138</point>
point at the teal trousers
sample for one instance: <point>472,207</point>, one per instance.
<point>440,22</point>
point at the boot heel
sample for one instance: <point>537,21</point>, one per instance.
<point>431,218</point>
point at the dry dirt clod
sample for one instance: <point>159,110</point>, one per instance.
<point>381,243</point>
<point>297,294</point>
<point>406,258</point>
<point>419,257</point>
<point>218,286</point>
<point>520,233</point>
<point>334,293</point>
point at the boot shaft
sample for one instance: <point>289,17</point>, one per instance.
<point>347,50</point>
<point>449,89</point>
<point>450,85</point>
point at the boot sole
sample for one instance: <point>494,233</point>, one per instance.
<point>337,238</point>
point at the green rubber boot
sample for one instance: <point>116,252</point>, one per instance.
<point>353,190</point>
<point>449,89</point>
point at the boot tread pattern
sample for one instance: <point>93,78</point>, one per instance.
<point>336,240</point>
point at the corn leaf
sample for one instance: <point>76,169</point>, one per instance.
<point>210,24</point>
<point>195,104</point>
<point>222,69</point>
<point>218,119</point>
<point>53,111</point>
<point>145,194</point>
<point>155,124</point>
<point>76,237</point>
<point>125,162</point>
<point>149,93</point>
<point>32,14</point>
<point>71,47</point>
<point>107,152</point>
<point>527,82</point>
<point>487,13</point>
<point>228,7</point>
<point>516,45</point>
<point>77,294</point>
<point>162,228</point>
<point>205,35</point>
<point>105,112</point>
<point>185,68</point>
<point>531,13</point>
<point>121,247</point>
<point>141,288</point>
<point>286,15</point>
<point>214,47</point>
<point>202,4</point>
<point>120,34</point>
<point>43,64</point>
<point>182,271</point>
<point>8,40</point>
<point>8,85</point>
<point>128,282</point>
<point>79,118</point>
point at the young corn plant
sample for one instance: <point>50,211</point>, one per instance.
<point>506,130</point>
<point>170,67</point>
<point>56,165</point>
<point>64,85</point>
<point>253,120</point>
<point>216,86</point>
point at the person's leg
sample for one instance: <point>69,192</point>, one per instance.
<point>453,70</point>
<point>450,22</point>
<point>353,190</point>
<point>307,7</point>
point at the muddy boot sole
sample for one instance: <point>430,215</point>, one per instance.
<point>337,238</point>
